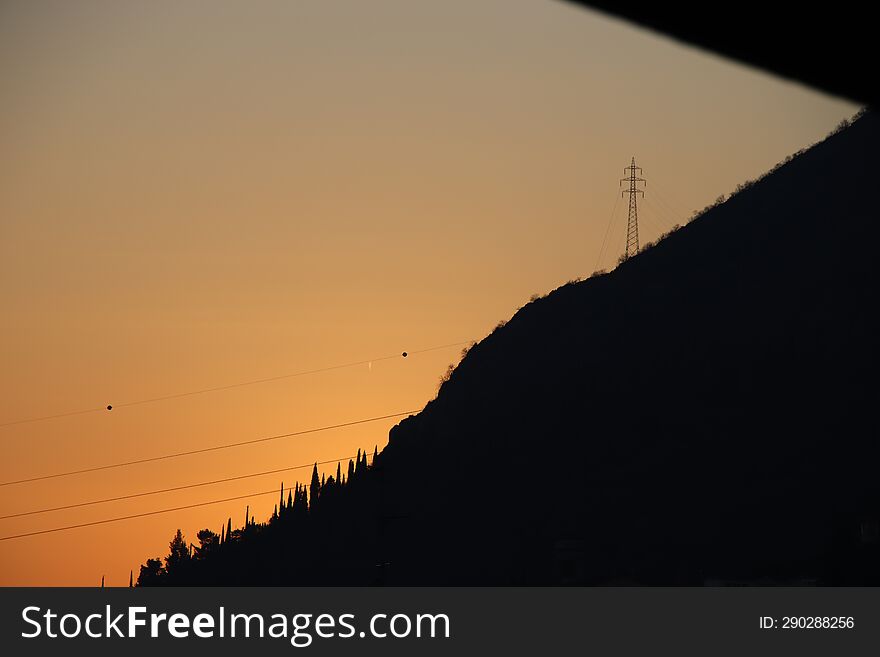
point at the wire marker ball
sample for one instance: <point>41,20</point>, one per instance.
<point>404,354</point>
<point>109,407</point>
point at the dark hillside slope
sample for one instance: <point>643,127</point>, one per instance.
<point>708,410</point>
<point>705,412</point>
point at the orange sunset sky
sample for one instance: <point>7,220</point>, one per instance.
<point>196,194</point>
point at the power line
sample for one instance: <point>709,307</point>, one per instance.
<point>231,386</point>
<point>145,514</point>
<point>137,515</point>
<point>661,211</point>
<point>659,222</point>
<point>174,488</point>
<point>202,450</point>
<point>607,230</point>
<point>675,207</point>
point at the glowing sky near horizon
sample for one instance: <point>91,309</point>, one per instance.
<point>194,194</point>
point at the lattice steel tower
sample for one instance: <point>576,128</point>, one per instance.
<point>632,224</point>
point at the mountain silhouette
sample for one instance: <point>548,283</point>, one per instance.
<point>705,413</point>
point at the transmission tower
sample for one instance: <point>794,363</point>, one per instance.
<point>632,224</point>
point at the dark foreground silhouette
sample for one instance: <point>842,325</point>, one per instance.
<point>704,414</point>
<point>773,37</point>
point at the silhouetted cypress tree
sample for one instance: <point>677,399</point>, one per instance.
<point>339,473</point>
<point>361,464</point>
<point>178,554</point>
<point>281,501</point>
<point>289,500</point>
<point>350,470</point>
<point>130,579</point>
<point>247,515</point>
<point>315,486</point>
<point>228,528</point>
<point>375,453</point>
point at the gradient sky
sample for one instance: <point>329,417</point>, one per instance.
<point>194,194</point>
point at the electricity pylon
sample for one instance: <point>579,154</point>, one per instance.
<point>632,224</point>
